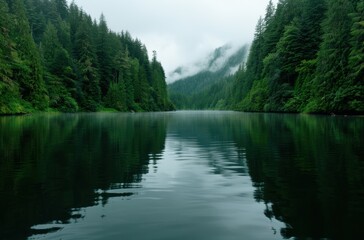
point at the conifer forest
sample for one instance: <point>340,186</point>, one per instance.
<point>55,57</point>
<point>307,56</point>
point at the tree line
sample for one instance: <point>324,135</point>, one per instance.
<point>307,56</point>
<point>208,87</point>
<point>54,56</point>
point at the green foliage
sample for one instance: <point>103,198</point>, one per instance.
<point>9,90</point>
<point>60,98</point>
<point>332,72</point>
<point>27,66</point>
<point>353,95</point>
<point>54,55</point>
<point>307,56</point>
<point>256,97</point>
<point>104,55</point>
<point>211,88</point>
<point>116,97</point>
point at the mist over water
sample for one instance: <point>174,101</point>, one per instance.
<point>197,175</point>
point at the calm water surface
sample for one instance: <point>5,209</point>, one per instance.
<point>181,175</point>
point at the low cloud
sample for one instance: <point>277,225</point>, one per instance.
<point>207,62</point>
<point>181,31</point>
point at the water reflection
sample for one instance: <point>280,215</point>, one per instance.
<point>213,136</point>
<point>309,171</point>
<point>53,164</point>
<point>202,175</point>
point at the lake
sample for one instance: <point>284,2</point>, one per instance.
<point>181,175</point>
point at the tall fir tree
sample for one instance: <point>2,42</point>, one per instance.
<point>10,100</point>
<point>27,68</point>
<point>58,72</point>
<point>87,65</point>
<point>104,55</point>
<point>333,56</point>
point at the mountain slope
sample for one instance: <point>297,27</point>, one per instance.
<point>307,56</point>
<point>220,64</point>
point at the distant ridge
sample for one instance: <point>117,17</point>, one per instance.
<point>222,62</point>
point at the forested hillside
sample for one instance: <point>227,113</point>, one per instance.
<point>205,88</point>
<point>56,57</point>
<point>307,56</point>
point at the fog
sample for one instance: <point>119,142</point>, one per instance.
<point>181,31</point>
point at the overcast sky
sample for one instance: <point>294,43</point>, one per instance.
<point>181,31</point>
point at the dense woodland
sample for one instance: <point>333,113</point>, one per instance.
<point>307,56</point>
<point>56,57</point>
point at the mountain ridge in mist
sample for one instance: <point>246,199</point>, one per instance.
<point>220,63</point>
<point>217,59</point>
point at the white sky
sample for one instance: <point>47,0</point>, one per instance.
<point>181,31</point>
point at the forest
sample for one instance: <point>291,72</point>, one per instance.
<point>55,57</point>
<point>307,56</point>
<point>202,90</point>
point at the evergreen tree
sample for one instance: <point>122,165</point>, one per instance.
<point>87,65</point>
<point>37,18</point>
<point>310,27</point>
<point>59,78</point>
<point>9,90</point>
<point>127,79</point>
<point>104,55</point>
<point>353,95</point>
<point>255,60</point>
<point>332,71</point>
<point>116,96</point>
<point>27,68</point>
<point>307,56</point>
<point>140,84</point>
<point>5,44</point>
<point>269,13</point>
<point>62,8</point>
<point>52,55</point>
<point>356,58</point>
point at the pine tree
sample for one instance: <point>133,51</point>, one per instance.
<point>143,97</point>
<point>255,60</point>
<point>28,69</point>
<point>59,78</point>
<point>353,95</point>
<point>116,96</point>
<point>9,91</point>
<point>269,13</point>
<point>87,64</point>
<point>310,26</point>
<point>332,70</point>
<point>159,84</point>
<point>62,8</point>
<point>127,79</point>
<point>104,55</point>
<point>356,58</point>
<point>36,17</point>
<point>5,44</point>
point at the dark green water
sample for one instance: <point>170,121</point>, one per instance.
<point>181,175</point>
